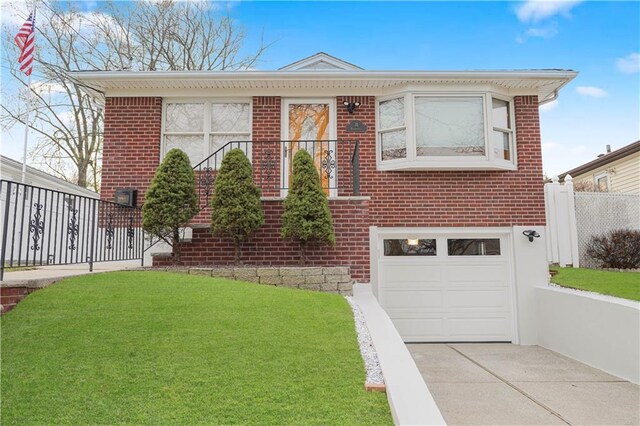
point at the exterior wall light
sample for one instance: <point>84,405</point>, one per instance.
<point>351,106</point>
<point>413,241</point>
<point>530,234</point>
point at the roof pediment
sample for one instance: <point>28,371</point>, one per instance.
<point>321,62</point>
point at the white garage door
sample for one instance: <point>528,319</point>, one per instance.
<point>446,288</point>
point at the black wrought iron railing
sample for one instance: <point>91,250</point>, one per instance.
<point>337,161</point>
<point>42,226</point>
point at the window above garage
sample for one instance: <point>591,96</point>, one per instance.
<point>453,131</point>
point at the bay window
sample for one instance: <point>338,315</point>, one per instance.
<point>392,129</point>
<point>445,131</point>
<point>200,128</point>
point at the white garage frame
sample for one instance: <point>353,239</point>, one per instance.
<point>378,234</point>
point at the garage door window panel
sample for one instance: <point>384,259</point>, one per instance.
<point>410,247</point>
<point>473,246</point>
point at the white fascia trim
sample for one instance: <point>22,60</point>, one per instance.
<point>89,76</point>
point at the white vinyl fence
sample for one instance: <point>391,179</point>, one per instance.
<point>573,218</point>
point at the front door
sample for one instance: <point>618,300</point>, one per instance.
<point>309,124</point>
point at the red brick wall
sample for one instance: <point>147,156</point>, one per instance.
<point>398,198</point>
<point>350,221</point>
<point>11,296</point>
<point>131,151</point>
<point>266,134</point>
<point>452,198</point>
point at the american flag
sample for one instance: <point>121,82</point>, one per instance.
<point>26,42</point>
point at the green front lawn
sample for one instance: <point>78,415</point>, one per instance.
<point>159,348</point>
<point>619,284</point>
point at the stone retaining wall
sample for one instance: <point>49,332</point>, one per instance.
<point>336,279</point>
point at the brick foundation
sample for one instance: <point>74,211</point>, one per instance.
<point>11,296</point>
<point>350,221</point>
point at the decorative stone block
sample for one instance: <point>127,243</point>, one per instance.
<point>292,281</point>
<point>315,287</point>
<point>336,270</point>
<point>291,272</point>
<point>201,271</point>
<point>268,272</point>
<point>327,287</point>
<point>311,271</point>
<point>222,272</point>
<point>179,270</point>
<point>271,280</point>
<point>246,274</point>
<point>345,286</point>
<point>337,278</point>
<point>314,279</point>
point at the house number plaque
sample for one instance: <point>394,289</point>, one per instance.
<point>356,126</point>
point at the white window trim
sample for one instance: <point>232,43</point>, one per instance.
<point>206,132</point>
<point>284,135</point>
<point>413,162</point>
<point>600,175</point>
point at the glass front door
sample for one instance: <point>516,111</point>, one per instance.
<point>309,126</point>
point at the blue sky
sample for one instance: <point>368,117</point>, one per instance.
<point>601,40</point>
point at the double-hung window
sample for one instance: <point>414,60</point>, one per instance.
<point>392,129</point>
<point>445,131</point>
<point>200,128</point>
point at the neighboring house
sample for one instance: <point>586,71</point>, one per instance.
<point>615,171</point>
<point>53,195</point>
<point>433,176</point>
<point>11,169</point>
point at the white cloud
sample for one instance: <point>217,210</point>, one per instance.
<point>13,13</point>
<point>629,64</point>
<point>592,91</point>
<point>542,32</point>
<point>549,106</point>
<point>538,10</point>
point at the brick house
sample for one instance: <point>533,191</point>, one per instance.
<point>432,177</point>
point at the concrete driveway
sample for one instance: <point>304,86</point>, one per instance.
<point>500,383</point>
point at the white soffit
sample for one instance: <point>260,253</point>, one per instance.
<point>545,82</point>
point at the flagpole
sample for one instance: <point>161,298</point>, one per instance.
<point>26,132</point>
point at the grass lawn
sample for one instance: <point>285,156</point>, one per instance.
<point>160,348</point>
<point>620,284</point>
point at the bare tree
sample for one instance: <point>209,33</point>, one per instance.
<point>139,35</point>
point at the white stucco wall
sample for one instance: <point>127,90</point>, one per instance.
<point>531,271</point>
<point>600,331</point>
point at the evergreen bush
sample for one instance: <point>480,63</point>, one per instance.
<point>171,200</point>
<point>236,207</point>
<point>306,214</point>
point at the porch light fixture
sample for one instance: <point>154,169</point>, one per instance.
<point>351,106</point>
<point>530,234</point>
<point>413,241</point>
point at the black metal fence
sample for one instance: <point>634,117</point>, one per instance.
<point>42,226</point>
<point>338,163</point>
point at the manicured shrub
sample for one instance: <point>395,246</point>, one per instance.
<point>618,249</point>
<point>306,214</point>
<point>236,207</point>
<point>171,200</point>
